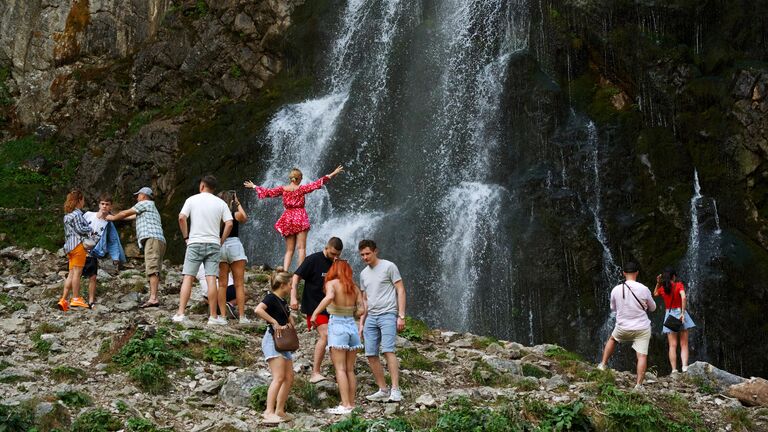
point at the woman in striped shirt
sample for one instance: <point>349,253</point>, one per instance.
<point>75,228</point>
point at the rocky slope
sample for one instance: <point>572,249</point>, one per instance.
<point>117,367</point>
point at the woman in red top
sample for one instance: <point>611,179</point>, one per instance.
<point>672,291</point>
<point>294,223</point>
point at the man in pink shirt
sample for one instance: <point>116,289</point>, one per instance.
<point>631,301</point>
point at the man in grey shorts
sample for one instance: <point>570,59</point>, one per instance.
<point>149,233</point>
<point>631,301</point>
<point>207,212</point>
<point>384,294</point>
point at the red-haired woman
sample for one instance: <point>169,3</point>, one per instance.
<point>343,299</point>
<point>75,229</point>
<point>294,222</point>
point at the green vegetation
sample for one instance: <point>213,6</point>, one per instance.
<point>531,370</point>
<point>411,358</point>
<point>259,397</point>
<point>150,377</point>
<point>704,385</point>
<point>12,304</point>
<point>74,399</point>
<point>67,373</point>
<point>136,424</point>
<point>415,329</point>
<point>484,342</point>
<point>96,420</point>
<point>16,418</point>
<point>559,353</point>
<point>355,423</point>
<point>483,374</point>
<point>218,356</point>
<point>142,348</point>
<point>739,418</point>
<point>43,347</point>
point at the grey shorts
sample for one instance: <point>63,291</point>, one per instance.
<point>232,250</point>
<point>206,254</point>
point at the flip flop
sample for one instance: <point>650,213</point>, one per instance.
<point>149,305</point>
<point>316,380</point>
<point>271,420</point>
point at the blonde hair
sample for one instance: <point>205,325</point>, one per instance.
<point>73,198</point>
<point>295,176</point>
<point>279,278</point>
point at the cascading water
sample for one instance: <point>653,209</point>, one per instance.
<point>692,255</point>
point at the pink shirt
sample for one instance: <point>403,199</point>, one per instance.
<point>630,315</point>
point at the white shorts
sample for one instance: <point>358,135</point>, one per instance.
<point>232,250</point>
<point>640,338</point>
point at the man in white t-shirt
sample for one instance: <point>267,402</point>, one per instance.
<point>207,212</point>
<point>98,222</point>
<point>384,294</point>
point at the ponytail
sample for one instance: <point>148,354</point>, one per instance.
<point>279,278</point>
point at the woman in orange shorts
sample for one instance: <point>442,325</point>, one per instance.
<point>75,228</point>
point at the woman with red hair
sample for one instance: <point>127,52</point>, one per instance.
<point>344,301</point>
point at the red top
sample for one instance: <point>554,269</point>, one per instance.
<point>673,301</point>
<point>294,219</point>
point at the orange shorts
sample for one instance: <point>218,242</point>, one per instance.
<point>77,256</point>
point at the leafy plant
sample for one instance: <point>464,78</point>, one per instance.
<point>16,418</point>
<point>96,420</point>
<point>411,358</point>
<point>67,373</point>
<point>154,349</point>
<point>259,397</point>
<point>136,424</point>
<point>415,330</point>
<point>355,423</point>
<point>461,415</point>
<point>559,353</point>
<point>10,303</point>
<point>531,370</point>
<point>150,377</point>
<point>218,356</point>
<point>567,417</point>
<point>483,342</point>
<point>74,399</point>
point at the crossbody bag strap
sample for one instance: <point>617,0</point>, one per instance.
<point>633,295</point>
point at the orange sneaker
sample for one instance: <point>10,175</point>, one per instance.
<point>63,304</point>
<point>79,302</point>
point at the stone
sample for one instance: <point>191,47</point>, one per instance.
<point>211,387</point>
<point>556,381</point>
<point>243,23</point>
<point>752,392</point>
<point>236,390</point>
<point>461,343</point>
<point>426,400</point>
<point>504,366</point>
<point>495,349</point>
<point>718,378</point>
<point>12,325</point>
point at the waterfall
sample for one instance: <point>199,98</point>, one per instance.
<point>692,255</point>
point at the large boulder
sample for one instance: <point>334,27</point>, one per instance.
<point>717,378</point>
<point>752,392</point>
<point>237,389</point>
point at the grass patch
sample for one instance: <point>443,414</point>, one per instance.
<point>415,330</point>
<point>561,354</point>
<point>411,358</point>
<point>150,377</point>
<point>218,356</point>
<point>702,384</point>
<point>96,420</point>
<point>136,424</point>
<point>483,374</point>
<point>143,348</point>
<point>10,303</point>
<point>739,418</point>
<point>16,418</point>
<point>531,370</point>
<point>67,373</point>
<point>74,399</point>
<point>356,423</point>
<point>484,342</point>
<point>259,397</point>
<point>526,384</point>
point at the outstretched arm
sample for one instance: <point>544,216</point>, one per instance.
<point>122,215</point>
<point>261,192</point>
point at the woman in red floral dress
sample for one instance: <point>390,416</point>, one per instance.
<point>294,223</point>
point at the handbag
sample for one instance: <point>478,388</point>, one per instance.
<point>288,339</point>
<point>673,323</point>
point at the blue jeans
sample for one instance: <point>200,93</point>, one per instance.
<point>687,322</point>
<point>380,331</point>
<point>268,348</point>
<point>342,333</point>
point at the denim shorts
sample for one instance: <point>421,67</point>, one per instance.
<point>232,250</point>
<point>342,333</point>
<point>380,330</point>
<point>202,253</point>
<point>687,322</point>
<point>268,348</point>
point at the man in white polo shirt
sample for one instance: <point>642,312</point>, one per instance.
<point>207,212</point>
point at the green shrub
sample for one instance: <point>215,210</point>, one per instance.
<point>150,377</point>
<point>415,330</point>
<point>67,373</point>
<point>411,358</point>
<point>96,420</point>
<point>259,397</point>
<point>461,415</point>
<point>355,423</point>
<point>74,399</point>
<point>567,417</point>
<point>10,303</point>
<point>483,342</point>
<point>559,353</point>
<point>154,349</point>
<point>531,370</point>
<point>739,418</point>
<point>16,418</point>
<point>218,356</point>
<point>136,424</point>
<point>484,374</point>
<point>526,384</point>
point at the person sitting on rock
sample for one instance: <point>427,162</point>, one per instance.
<point>274,310</point>
<point>76,232</point>
<point>631,301</point>
<point>672,291</point>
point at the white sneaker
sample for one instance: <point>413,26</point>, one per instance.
<point>395,395</point>
<point>674,373</point>
<point>217,321</point>
<point>179,318</point>
<point>685,369</point>
<point>244,320</point>
<point>638,388</point>
<point>601,366</point>
<point>339,410</point>
<point>379,396</point>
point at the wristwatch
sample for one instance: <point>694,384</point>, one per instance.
<point>402,317</point>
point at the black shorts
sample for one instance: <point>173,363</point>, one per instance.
<point>231,293</point>
<point>91,267</point>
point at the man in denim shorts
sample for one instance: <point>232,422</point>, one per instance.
<point>207,212</point>
<point>384,293</point>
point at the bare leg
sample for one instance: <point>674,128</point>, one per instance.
<point>290,244</point>
<point>610,345</point>
<point>222,291</point>
<point>238,274</point>
<point>213,295</point>
<point>301,240</point>
<point>351,378</point>
<point>76,273</point>
<point>339,359</point>
<point>378,371</point>
<point>276,367</point>
<point>394,369</point>
<point>92,289</point>
<point>186,291</point>
<point>317,358</point>
<point>672,342</point>
<point>285,388</point>
<point>154,283</point>
<point>642,364</point>
<point>684,347</point>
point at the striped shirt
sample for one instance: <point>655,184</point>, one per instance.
<point>75,228</point>
<point>148,223</point>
